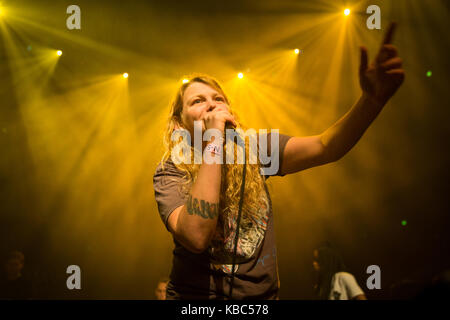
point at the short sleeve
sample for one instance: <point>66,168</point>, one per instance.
<point>348,282</point>
<point>282,141</point>
<point>167,182</point>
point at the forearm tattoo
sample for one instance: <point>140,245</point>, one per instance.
<point>202,208</point>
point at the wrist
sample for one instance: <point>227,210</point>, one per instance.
<point>372,100</point>
<point>213,151</point>
<point>219,128</point>
<point>216,138</point>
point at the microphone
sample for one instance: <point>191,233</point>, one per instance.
<point>229,125</point>
<point>234,134</point>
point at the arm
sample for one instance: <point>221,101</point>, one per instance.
<point>346,132</point>
<point>379,81</point>
<point>194,223</point>
<point>305,152</point>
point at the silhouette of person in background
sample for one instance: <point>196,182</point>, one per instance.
<point>13,285</point>
<point>333,282</point>
<point>160,290</point>
<point>405,289</point>
<point>439,289</point>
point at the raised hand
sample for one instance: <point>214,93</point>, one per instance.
<point>381,79</point>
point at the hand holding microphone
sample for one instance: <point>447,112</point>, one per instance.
<point>219,118</point>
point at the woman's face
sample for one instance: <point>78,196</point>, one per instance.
<point>198,99</point>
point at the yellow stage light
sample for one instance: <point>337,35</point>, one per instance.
<point>125,75</point>
<point>59,53</point>
<point>347,12</point>
<point>297,51</point>
<point>240,75</point>
<point>185,80</point>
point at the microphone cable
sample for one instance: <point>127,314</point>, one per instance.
<point>236,238</point>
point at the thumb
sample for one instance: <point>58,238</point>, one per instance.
<point>364,60</point>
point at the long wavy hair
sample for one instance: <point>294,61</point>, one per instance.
<point>231,173</point>
<point>330,262</point>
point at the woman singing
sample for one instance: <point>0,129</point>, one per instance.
<point>199,203</point>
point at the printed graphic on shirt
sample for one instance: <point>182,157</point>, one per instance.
<point>336,295</point>
<point>251,234</point>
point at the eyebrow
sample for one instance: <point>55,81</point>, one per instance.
<point>202,95</point>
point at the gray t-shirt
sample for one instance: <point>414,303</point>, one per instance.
<point>202,276</point>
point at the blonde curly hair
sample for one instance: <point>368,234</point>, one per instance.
<point>255,204</point>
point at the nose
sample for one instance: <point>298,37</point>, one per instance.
<point>211,105</point>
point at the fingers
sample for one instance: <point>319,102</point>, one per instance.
<point>396,72</point>
<point>230,118</point>
<point>386,52</point>
<point>398,75</point>
<point>218,116</point>
<point>227,116</point>
<point>216,113</point>
<point>394,63</point>
<point>390,48</point>
<point>389,33</point>
<point>364,60</point>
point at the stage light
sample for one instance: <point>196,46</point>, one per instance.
<point>59,53</point>
<point>347,12</point>
<point>2,11</point>
<point>240,75</point>
<point>185,80</point>
<point>404,223</point>
<point>429,73</point>
<point>125,75</point>
<point>296,51</point>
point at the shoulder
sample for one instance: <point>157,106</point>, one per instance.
<point>345,277</point>
<point>348,281</point>
<point>167,169</point>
